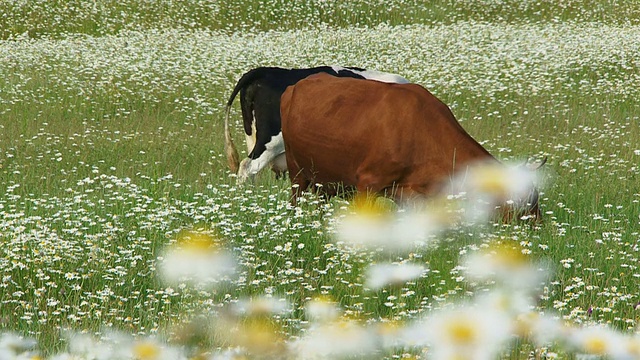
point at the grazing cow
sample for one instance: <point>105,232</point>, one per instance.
<point>393,139</point>
<point>260,91</point>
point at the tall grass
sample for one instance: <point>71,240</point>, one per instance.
<point>110,147</point>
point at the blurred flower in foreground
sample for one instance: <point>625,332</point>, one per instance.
<point>117,345</point>
<point>335,340</point>
<point>542,329</point>
<point>505,263</point>
<point>197,259</point>
<point>487,185</point>
<point>467,332</point>
<point>83,346</point>
<point>152,349</point>
<point>602,341</point>
<point>380,275</point>
<point>229,354</point>
<point>260,306</point>
<point>506,301</point>
<point>373,223</point>
<point>13,346</point>
<point>259,336</point>
<point>322,309</point>
<point>497,181</point>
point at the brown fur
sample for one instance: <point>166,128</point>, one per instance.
<point>377,137</point>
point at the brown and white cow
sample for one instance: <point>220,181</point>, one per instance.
<point>392,139</point>
<point>260,90</point>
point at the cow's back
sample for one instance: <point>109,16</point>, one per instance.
<point>371,135</point>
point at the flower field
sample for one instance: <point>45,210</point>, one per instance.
<point>124,236</point>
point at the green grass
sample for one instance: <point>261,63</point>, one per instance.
<point>111,145</point>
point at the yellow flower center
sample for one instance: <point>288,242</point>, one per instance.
<point>595,345</point>
<point>146,351</point>
<point>461,332</point>
<point>508,255</point>
<point>196,241</point>
<point>259,336</point>
<point>367,204</point>
<point>491,180</point>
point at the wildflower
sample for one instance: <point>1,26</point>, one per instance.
<point>543,329</point>
<point>230,354</point>
<point>392,274</point>
<point>12,345</point>
<point>506,300</point>
<point>598,340</point>
<point>506,263</point>
<point>373,224</point>
<point>322,309</point>
<point>631,347</point>
<point>197,259</point>
<point>368,222</point>
<point>112,345</point>
<point>497,181</point>
<point>153,349</point>
<point>146,350</point>
<point>387,333</point>
<point>487,185</point>
<point>367,204</point>
<point>255,335</point>
<point>261,306</point>
<point>462,333</point>
<point>334,340</point>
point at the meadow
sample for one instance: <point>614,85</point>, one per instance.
<point>111,155</point>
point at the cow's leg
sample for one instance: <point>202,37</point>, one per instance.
<point>299,182</point>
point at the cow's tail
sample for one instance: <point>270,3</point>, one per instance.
<point>233,159</point>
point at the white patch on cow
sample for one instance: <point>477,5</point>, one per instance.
<point>338,68</point>
<point>382,76</point>
<point>375,75</point>
<point>251,139</point>
<point>249,168</point>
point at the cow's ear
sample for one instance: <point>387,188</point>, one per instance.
<point>533,166</point>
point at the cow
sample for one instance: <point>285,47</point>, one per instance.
<point>260,91</point>
<point>391,139</point>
